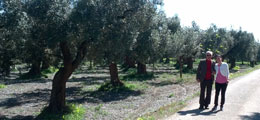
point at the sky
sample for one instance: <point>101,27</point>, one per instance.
<point>224,13</point>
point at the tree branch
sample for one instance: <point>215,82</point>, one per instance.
<point>82,50</point>
<point>65,52</point>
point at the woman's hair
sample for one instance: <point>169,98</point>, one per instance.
<point>218,55</point>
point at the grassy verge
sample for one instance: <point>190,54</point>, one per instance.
<point>2,86</point>
<point>72,112</point>
<point>248,70</point>
<point>168,109</point>
<point>172,108</point>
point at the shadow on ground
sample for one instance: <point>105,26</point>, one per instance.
<point>139,77</point>
<point>33,97</point>
<point>254,116</point>
<point>196,112</point>
<point>18,81</point>
<point>14,78</point>
<point>18,117</point>
<point>162,83</point>
<point>97,96</point>
<point>73,94</point>
<point>91,80</point>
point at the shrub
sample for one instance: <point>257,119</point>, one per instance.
<point>72,112</point>
<point>236,68</point>
<point>49,70</point>
<point>2,86</point>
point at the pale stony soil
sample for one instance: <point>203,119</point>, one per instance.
<point>24,99</point>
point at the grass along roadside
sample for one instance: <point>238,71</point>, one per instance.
<point>2,86</point>
<point>174,107</point>
<point>168,110</point>
<point>248,70</point>
<point>73,112</point>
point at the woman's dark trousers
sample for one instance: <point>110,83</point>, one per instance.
<point>220,87</point>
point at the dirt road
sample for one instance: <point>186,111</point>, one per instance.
<point>242,102</point>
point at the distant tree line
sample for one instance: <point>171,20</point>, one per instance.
<point>132,33</point>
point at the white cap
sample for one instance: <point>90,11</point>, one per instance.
<point>209,52</point>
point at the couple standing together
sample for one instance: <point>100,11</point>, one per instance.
<point>205,75</point>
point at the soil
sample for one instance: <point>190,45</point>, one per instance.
<point>24,99</point>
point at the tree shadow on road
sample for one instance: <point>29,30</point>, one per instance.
<point>254,116</point>
<point>197,112</point>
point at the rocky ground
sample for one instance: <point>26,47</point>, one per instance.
<point>24,99</point>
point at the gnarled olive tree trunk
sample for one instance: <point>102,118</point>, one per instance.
<point>181,65</point>
<point>46,61</point>
<point>129,62</point>
<point>252,63</point>
<point>141,68</point>
<point>190,63</point>
<point>58,92</point>
<point>232,62</point>
<point>114,75</point>
<point>35,68</point>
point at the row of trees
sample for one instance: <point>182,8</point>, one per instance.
<point>43,33</point>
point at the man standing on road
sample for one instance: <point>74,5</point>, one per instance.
<point>205,75</point>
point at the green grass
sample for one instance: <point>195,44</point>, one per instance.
<point>197,61</point>
<point>175,78</point>
<point>44,73</point>
<point>133,76</point>
<point>186,78</point>
<point>91,88</point>
<point>50,70</point>
<point>171,95</point>
<point>166,76</point>
<point>2,86</point>
<point>236,68</point>
<point>108,87</point>
<point>146,118</point>
<point>245,63</point>
<point>98,110</point>
<point>191,71</point>
<point>248,70</point>
<point>131,71</point>
<point>168,109</point>
<point>72,112</point>
<point>136,86</point>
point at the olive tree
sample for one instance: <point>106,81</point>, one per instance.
<point>14,24</point>
<point>184,44</point>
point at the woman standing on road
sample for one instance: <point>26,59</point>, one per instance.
<point>222,74</point>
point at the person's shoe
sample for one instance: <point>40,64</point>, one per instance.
<point>201,107</point>
<point>215,107</point>
<point>206,107</point>
<point>221,107</point>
